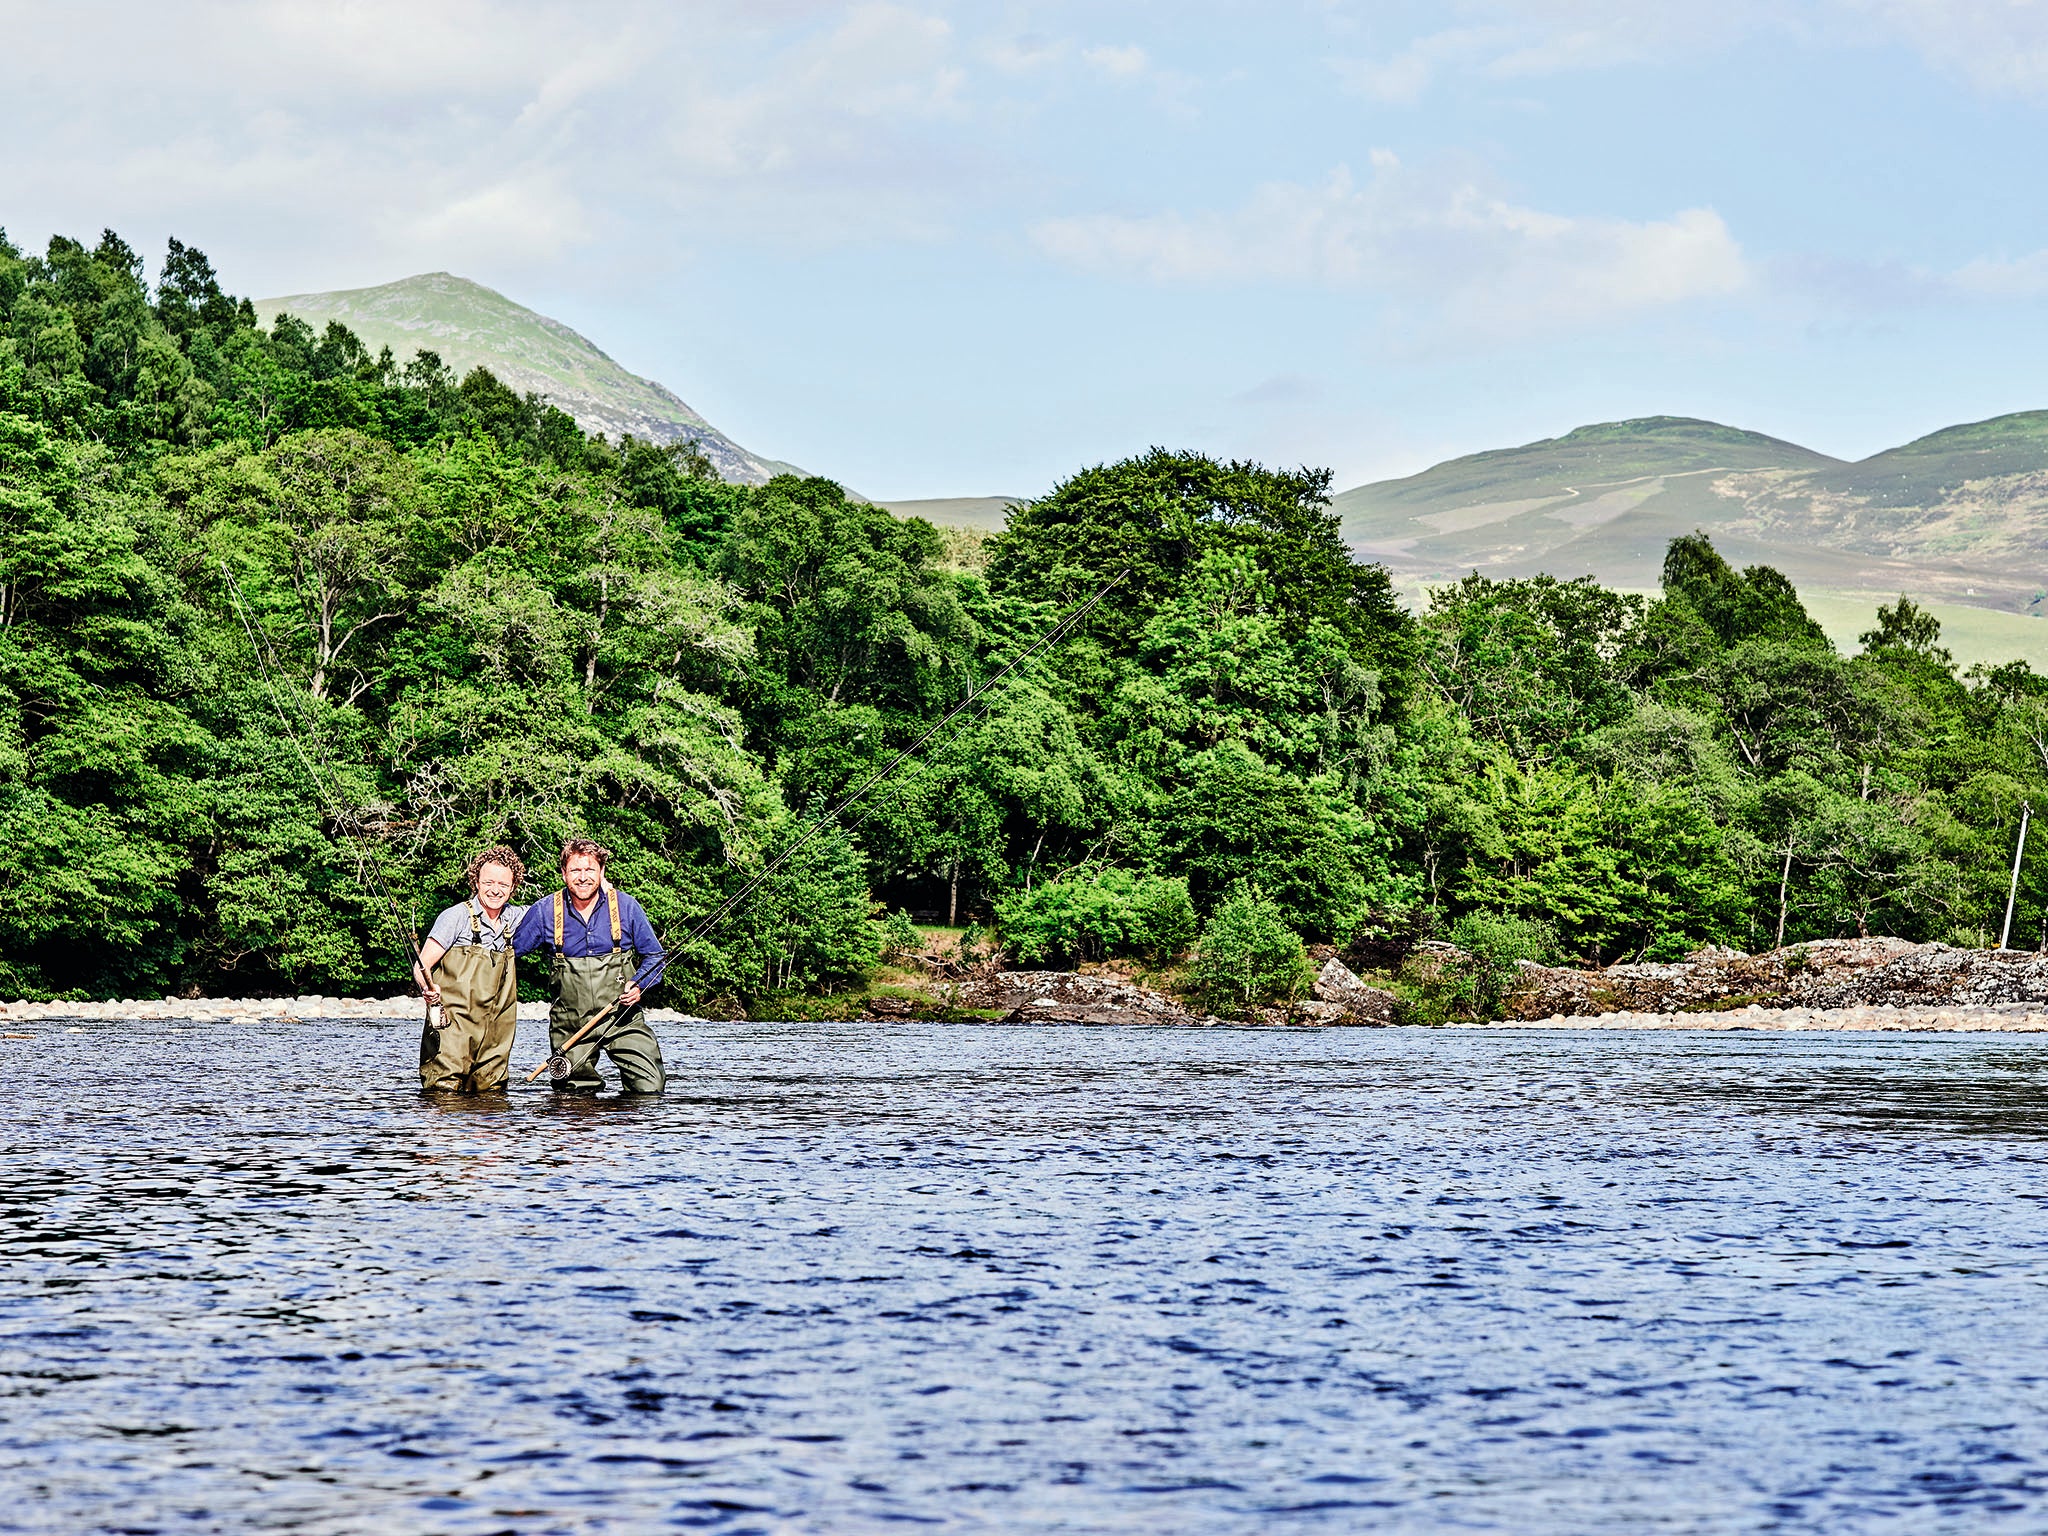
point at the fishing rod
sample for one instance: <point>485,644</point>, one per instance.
<point>366,861</point>
<point>559,1061</point>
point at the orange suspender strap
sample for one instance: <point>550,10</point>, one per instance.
<point>611,900</point>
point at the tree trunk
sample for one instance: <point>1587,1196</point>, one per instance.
<point>1784,879</point>
<point>953,898</point>
<point>604,607</point>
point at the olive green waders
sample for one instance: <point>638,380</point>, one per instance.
<point>472,1050</point>
<point>585,985</point>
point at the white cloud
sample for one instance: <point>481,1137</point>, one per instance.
<point>1999,46</point>
<point>1477,259</point>
<point>1024,53</point>
<point>536,215</point>
<point>1525,39</point>
<point>1122,62</point>
<point>1403,78</point>
<point>423,134</point>
<point>2017,277</point>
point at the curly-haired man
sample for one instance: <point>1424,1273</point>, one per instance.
<point>466,966</point>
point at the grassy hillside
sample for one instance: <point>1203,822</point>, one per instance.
<point>1930,468</point>
<point>1607,454</point>
<point>1960,515</point>
<point>469,324</point>
<point>984,512</point>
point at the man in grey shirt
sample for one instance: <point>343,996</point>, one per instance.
<point>466,966</point>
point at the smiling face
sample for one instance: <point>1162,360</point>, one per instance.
<point>494,887</point>
<point>583,875</point>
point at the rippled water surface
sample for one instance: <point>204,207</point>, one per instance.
<point>846,1278</point>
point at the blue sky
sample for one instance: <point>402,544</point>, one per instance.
<point>951,249</point>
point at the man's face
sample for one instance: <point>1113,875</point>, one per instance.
<point>582,875</point>
<point>494,885</point>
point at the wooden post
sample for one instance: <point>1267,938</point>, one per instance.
<point>2012,892</point>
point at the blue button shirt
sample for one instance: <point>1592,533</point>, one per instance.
<point>583,936</point>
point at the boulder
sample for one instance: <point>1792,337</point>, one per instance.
<point>1360,1004</point>
<point>1071,997</point>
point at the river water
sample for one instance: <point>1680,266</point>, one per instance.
<point>850,1278</point>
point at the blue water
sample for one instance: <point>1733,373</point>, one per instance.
<point>853,1278</point>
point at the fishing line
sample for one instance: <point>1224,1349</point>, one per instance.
<point>331,802</point>
<point>1059,632</point>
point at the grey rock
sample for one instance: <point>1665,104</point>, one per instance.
<point>1336,983</point>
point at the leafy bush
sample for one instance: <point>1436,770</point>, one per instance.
<point>1495,943</point>
<point>899,935</point>
<point>1248,956</point>
<point>1097,914</point>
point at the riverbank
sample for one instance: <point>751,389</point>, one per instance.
<point>269,1009</point>
<point>1094,1006</point>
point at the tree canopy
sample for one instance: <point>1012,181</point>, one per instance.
<point>272,607</point>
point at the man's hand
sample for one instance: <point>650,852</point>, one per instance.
<point>433,996</point>
<point>630,996</point>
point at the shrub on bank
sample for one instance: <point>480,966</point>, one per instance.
<point>1473,980</point>
<point>1097,915</point>
<point>1496,943</point>
<point>1248,957</point>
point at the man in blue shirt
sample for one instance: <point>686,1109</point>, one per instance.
<point>605,952</point>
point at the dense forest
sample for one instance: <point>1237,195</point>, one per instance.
<point>477,623</point>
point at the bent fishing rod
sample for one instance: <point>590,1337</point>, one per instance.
<point>331,802</point>
<point>559,1061</point>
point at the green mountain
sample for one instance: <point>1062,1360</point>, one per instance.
<point>1960,515</point>
<point>469,324</point>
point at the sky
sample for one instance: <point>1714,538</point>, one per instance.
<point>937,249</point>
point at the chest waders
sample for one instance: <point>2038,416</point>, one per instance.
<point>585,985</point>
<point>471,1051</point>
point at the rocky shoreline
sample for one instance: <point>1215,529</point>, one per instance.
<point>1828,974</point>
<point>1833,984</point>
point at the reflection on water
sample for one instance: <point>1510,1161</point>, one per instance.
<point>1007,1280</point>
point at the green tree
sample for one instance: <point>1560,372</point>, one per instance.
<point>1248,957</point>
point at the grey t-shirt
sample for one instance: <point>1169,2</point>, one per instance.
<point>452,927</point>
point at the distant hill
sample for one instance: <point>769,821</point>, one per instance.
<point>469,324</point>
<point>1961,514</point>
<point>985,512</point>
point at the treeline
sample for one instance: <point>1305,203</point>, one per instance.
<point>482,624</point>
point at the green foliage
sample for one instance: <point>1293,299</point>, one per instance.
<point>805,929</point>
<point>1758,603</point>
<point>1616,866</point>
<point>1322,861</point>
<point>1097,915</point>
<point>899,935</point>
<point>1495,944</point>
<point>1905,626</point>
<point>1529,663</point>
<point>1248,957</point>
<point>480,624</point>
